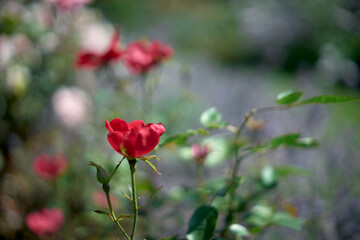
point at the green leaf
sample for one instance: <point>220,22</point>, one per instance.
<point>260,215</point>
<point>288,97</point>
<point>268,177</point>
<point>101,212</point>
<point>306,142</point>
<point>284,171</point>
<point>324,99</point>
<point>210,118</point>
<point>202,223</point>
<point>239,230</point>
<point>287,220</point>
<point>180,139</point>
<point>172,238</point>
<point>121,217</point>
<point>288,139</point>
<point>152,166</point>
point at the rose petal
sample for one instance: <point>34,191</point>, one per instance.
<point>119,125</point>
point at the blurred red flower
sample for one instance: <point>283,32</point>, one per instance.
<point>45,221</point>
<point>141,56</point>
<point>134,139</point>
<point>200,152</point>
<point>92,60</point>
<point>69,4</point>
<point>48,167</point>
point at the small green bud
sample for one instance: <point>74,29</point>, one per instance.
<point>101,174</point>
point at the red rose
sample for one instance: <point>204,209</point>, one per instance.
<point>134,139</point>
<point>48,167</point>
<point>92,60</point>
<point>45,221</point>
<point>141,56</point>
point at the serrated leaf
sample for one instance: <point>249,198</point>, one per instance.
<point>202,223</point>
<point>288,97</point>
<point>239,230</point>
<point>152,166</point>
<point>325,99</point>
<point>100,212</point>
<point>210,117</point>
<point>287,220</point>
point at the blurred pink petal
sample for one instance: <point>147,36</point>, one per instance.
<point>48,167</point>
<point>45,221</point>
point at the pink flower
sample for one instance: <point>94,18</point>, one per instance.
<point>72,106</point>
<point>99,199</point>
<point>92,60</point>
<point>69,4</point>
<point>141,56</point>
<point>133,139</point>
<point>200,152</point>
<point>49,168</point>
<point>45,221</point>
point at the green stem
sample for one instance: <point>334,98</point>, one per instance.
<point>238,159</point>
<point>106,188</point>
<point>132,164</point>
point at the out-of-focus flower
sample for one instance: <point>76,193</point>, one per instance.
<point>22,44</point>
<point>49,168</point>
<point>92,60</point>
<point>71,105</point>
<point>200,152</point>
<point>45,221</point>
<point>141,56</point>
<point>69,4</point>
<point>7,50</point>
<point>17,79</point>
<point>134,139</point>
<point>99,199</point>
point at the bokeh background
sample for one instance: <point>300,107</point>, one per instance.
<point>233,55</point>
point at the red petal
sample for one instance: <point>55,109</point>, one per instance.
<point>118,124</point>
<point>146,141</point>
<point>139,124</point>
<point>107,125</point>
<point>158,127</point>
<point>87,59</point>
<point>116,140</point>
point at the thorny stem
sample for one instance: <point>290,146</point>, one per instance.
<point>132,164</point>
<point>106,188</point>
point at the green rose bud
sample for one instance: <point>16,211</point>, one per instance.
<point>101,174</point>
